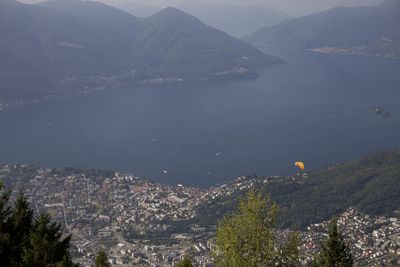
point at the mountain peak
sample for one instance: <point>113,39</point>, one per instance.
<point>175,14</point>
<point>172,10</point>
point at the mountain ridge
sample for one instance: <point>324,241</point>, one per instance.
<point>173,38</point>
<point>94,12</point>
<point>339,27</point>
<point>235,20</point>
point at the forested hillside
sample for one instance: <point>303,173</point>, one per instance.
<point>369,184</point>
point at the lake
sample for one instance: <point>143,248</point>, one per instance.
<point>316,108</point>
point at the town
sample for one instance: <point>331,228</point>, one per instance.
<point>142,223</point>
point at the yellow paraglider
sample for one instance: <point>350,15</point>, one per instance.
<point>300,165</point>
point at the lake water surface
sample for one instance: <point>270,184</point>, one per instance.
<point>316,108</point>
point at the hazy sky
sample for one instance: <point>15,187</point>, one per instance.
<point>294,7</point>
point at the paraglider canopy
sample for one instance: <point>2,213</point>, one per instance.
<point>300,165</point>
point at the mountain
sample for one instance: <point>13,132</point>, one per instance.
<point>353,28</point>
<point>369,184</point>
<point>64,47</point>
<point>94,12</point>
<point>42,49</point>
<point>237,21</point>
<point>171,39</point>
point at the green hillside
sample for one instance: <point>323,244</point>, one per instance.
<point>369,184</point>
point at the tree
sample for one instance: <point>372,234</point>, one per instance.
<point>5,227</point>
<point>184,263</point>
<point>248,237</point>
<point>21,218</point>
<point>46,245</point>
<point>25,241</point>
<point>102,259</point>
<point>334,251</point>
<point>290,253</point>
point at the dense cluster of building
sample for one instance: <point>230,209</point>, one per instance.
<point>142,223</point>
<point>136,220</point>
<point>374,240</point>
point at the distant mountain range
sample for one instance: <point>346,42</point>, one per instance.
<point>71,46</point>
<point>236,20</point>
<point>174,43</point>
<point>368,30</point>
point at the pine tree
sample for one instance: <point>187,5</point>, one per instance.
<point>290,253</point>
<point>46,245</point>
<point>21,218</point>
<point>5,227</point>
<point>334,252</point>
<point>248,237</point>
<point>102,259</point>
<point>25,241</point>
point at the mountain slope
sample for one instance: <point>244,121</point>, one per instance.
<point>70,46</point>
<point>171,39</point>
<point>95,13</point>
<point>237,21</point>
<point>370,184</point>
<point>344,27</point>
<point>40,48</point>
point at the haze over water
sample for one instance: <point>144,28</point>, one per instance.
<point>316,108</point>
